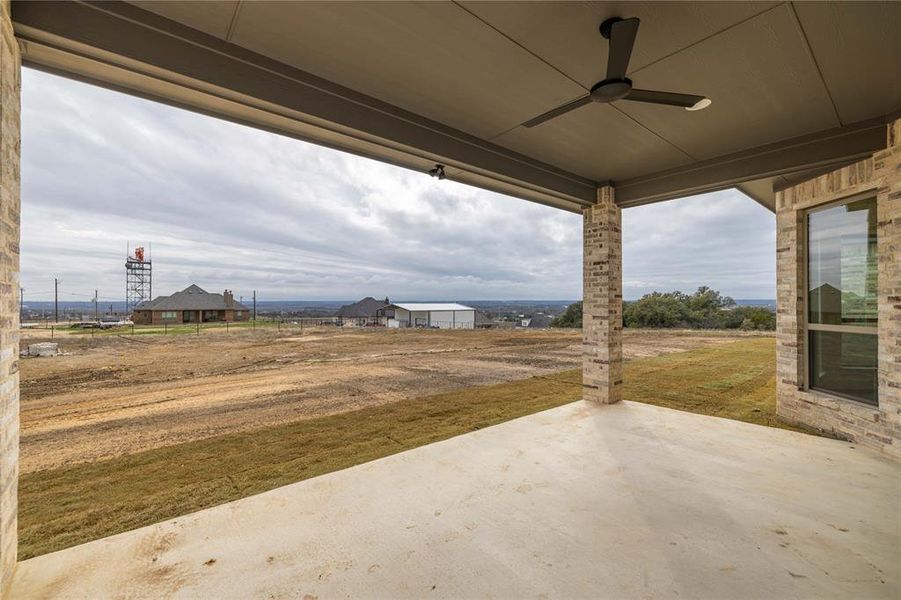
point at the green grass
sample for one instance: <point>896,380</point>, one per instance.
<point>735,381</point>
<point>63,507</point>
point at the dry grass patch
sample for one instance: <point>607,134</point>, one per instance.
<point>63,507</point>
<point>68,506</point>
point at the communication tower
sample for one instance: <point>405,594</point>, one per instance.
<point>138,278</point>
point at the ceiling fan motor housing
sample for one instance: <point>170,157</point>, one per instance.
<point>611,89</point>
<point>607,26</point>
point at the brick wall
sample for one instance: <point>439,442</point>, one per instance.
<point>9,294</point>
<point>141,317</point>
<point>602,301</point>
<point>875,427</point>
<point>147,317</point>
<point>232,315</point>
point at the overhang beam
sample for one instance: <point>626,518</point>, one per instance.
<point>816,151</point>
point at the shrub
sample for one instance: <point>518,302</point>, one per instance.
<point>751,317</point>
<point>572,317</point>
<point>705,309</point>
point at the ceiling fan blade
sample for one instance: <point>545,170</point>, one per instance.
<point>688,101</point>
<point>622,39</point>
<point>556,112</point>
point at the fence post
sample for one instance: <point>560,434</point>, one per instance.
<point>165,329</point>
<point>198,326</point>
<point>132,330</point>
<point>226,327</point>
<point>253,324</point>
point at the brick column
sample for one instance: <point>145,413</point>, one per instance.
<point>9,294</point>
<point>887,172</point>
<point>602,301</point>
<point>789,295</point>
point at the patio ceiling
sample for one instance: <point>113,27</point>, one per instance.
<point>795,87</point>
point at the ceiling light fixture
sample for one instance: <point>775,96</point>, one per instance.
<point>438,171</point>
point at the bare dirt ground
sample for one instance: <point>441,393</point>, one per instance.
<point>110,395</point>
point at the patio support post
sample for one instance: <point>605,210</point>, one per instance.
<point>887,167</point>
<point>602,300</point>
<point>10,78</point>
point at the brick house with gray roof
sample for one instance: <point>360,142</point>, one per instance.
<point>191,305</point>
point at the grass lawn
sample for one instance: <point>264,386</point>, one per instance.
<point>63,507</point>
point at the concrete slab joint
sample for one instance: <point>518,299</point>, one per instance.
<point>602,300</point>
<point>10,68</point>
<point>877,427</point>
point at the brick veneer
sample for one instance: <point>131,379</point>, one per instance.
<point>155,317</point>
<point>876,427</point>
<point>602,300</point>
<point>9,294</point>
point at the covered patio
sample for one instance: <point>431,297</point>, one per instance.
<point>579,501</point>
<point>603,497</point>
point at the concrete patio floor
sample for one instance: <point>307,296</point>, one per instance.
<point>623,501</point>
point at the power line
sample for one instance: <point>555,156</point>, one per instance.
<point>77,294</point>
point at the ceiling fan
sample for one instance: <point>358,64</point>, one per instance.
<point>616,86</point>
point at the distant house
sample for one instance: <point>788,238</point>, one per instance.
<point>367,308</point>
<point>826,301</point>
<point>429,315</point>
<point>191,305</point>
<point>539,321</point>
<point>837,307</point>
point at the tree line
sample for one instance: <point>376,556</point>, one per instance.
<point>704,309</point>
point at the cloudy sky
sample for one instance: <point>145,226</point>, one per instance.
<point>227,206</point>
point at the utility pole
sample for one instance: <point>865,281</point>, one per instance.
<point>21,304</point>
<point>96,315</point>
<point>254,305</point>
<point>55,300</point>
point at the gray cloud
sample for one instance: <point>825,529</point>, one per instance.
<point>229,206</point>
<point>723,240</point>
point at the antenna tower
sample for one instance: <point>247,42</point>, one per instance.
<point>138,278</point>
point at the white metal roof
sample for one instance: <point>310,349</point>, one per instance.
<point>430,306</point>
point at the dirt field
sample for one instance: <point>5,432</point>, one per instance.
<point>111,396</point>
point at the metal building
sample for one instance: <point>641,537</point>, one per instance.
<point>429,315</point>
